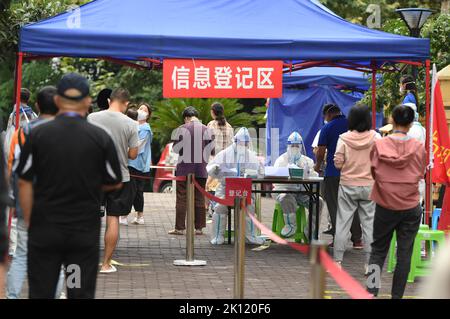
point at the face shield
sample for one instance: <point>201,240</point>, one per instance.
<point>295,147</point>
<point>243,144</point>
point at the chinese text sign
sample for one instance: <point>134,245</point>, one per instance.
<point>238,187</point>
<point>222,78</point>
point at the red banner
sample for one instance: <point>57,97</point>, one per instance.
<point>222,78</point>
<point>441,152</point>
<point>441,140</point>
<point>237,187</point>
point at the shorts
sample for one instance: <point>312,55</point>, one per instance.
<point>119,203</point>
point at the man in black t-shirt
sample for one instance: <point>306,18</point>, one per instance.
<point>64,166</point>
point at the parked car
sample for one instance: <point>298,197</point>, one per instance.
<point>168,159</point>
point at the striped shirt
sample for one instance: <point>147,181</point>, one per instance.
<point>223,135</point>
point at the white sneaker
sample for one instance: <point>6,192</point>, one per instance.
<point>366,269</point>
<point>138,221</point>
<point>123,220</point>
<point>288,231</point>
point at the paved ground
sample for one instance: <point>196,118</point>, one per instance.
<point>147,253</point>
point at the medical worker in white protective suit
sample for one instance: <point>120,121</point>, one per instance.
<point>294,157</point>
<point>237,160</point>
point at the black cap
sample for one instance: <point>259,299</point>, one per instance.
<point>76,82</point>
<point>330,107</point>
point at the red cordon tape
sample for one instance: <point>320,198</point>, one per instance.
<point>178,178</point>
<point>266,231</point>
<point>221,201</point>
<point>304,249</point>
<point>343,279</point>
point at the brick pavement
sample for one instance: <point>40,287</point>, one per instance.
<point>147,252</point>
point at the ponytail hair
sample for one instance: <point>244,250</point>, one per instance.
<point>218,110</point>
<point>410,85</point>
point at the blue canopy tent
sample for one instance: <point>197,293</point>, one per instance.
<point>303,33</point>
<point>300,32</point>
<point>301,109</point>
<point>214,29</point>
<point>327,76</point>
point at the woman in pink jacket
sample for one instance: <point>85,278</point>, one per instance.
<point>398,164</point>
<point>352,158</point>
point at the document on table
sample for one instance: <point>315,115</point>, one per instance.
<point>270,171</point>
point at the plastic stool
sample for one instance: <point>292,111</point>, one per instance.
<point>278,223</point>
<point>392,258</point>
<point>420,267</point>
<point>435,218</point>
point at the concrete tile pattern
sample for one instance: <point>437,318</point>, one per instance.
<point>147,253</point>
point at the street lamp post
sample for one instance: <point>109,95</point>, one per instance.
<point>414,19</point>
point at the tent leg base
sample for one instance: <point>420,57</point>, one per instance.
<point>182,262</point>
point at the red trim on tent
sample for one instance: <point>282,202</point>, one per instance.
<point>374,95</point>
<point>18,87</point>
<point>410,62</point>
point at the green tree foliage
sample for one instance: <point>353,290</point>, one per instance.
<point>355,10</point>
<point>13,15</point>
<point>437,29</point>
<point>16,14</point>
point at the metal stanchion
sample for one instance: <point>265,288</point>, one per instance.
<point>317,271</point>
<point>190,195</point>
<point>258,214</point>
<point>239,246</point>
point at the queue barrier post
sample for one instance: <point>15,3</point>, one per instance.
<point>317,284</point>
<point>239,246</point>
<point>190,207</point>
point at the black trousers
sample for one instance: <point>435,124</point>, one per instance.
<point>77,248</point>
<point>330,193</point>
<point>406,225</point>
<point>139,185</point>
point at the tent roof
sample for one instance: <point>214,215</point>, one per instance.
<point>214,29</point>
<point>327,76</point>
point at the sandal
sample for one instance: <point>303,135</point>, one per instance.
<point>109,270</point>
<point>176,232</point>
<point>199,232</point>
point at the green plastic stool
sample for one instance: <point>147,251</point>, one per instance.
<point>392,259</point>
<point>421,267</point>
<point>278,223</point>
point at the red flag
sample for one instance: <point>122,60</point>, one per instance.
<point>441,140</point>
<point>441,152</point>
<point>444,220</point>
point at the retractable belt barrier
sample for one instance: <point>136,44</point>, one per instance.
<point>342,278</point>
<point>353,288</point>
